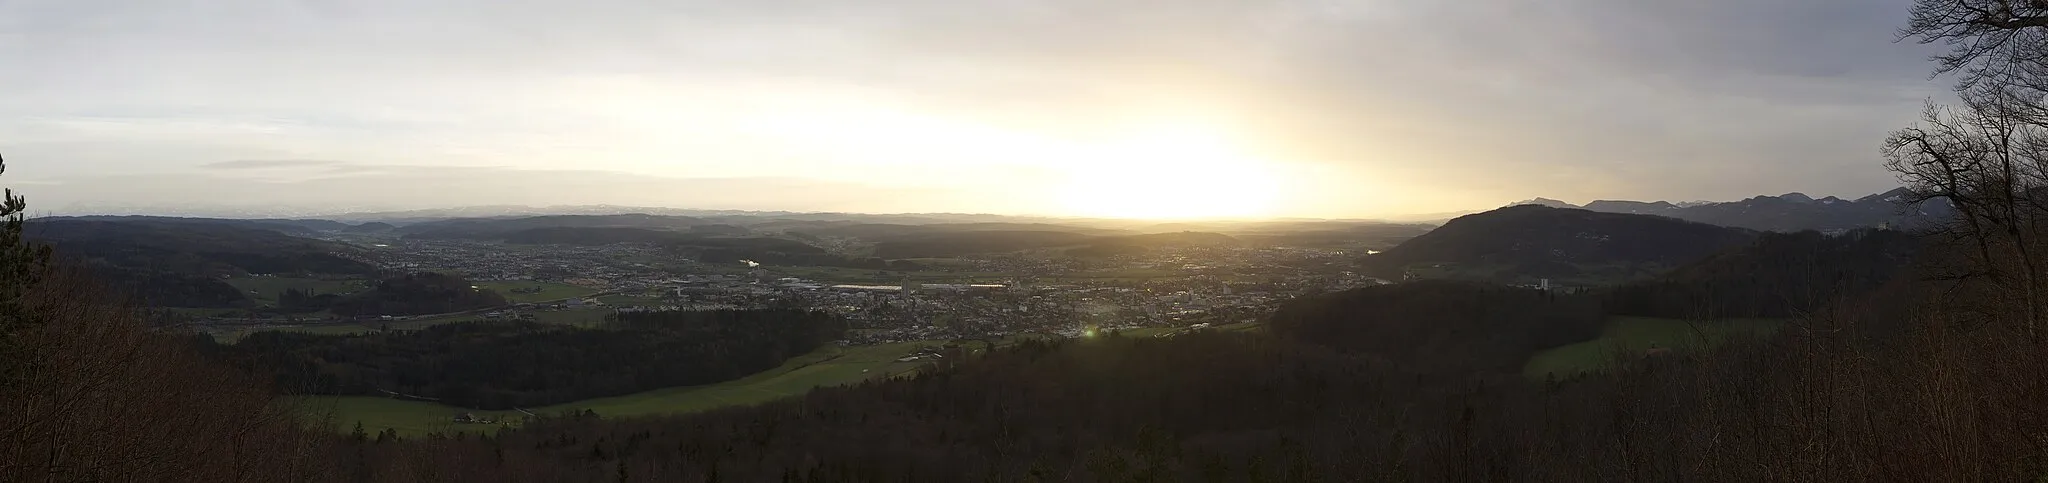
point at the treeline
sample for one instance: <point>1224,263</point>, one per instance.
<point>197,248</point>
<point>1443,326</point>
<point>493,365</point>
<point>1778,276</point>
<point>422,293</point>
<point>174,262</point>
<point>162,288</point>
<point>1528,242</point>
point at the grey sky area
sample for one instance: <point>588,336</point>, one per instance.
<point>1347,108</point>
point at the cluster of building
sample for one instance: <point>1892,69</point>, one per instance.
<point>1036,294</point>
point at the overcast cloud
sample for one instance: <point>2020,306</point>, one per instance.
<point>1376,106</point>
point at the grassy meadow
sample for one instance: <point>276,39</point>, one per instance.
<point>1636,334</point>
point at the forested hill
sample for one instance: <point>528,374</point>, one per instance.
<point>1522,243</point>
<point>287,226</point>
<point>501,365</point>
<point>1779,275</point>
<point>196,248</point>
<point>180,263</point>
<point>417,294</point>
<point>559,235</point>
<point>1438,326</point>
<point>498,228</point>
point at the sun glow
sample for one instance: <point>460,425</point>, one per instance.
<point>1172,173</point>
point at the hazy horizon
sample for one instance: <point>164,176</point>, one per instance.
<point>1200,109</point>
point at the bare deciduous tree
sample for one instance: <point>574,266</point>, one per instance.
<point>1987,157</point>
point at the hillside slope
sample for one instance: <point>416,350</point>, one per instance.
<point>498,228</point>
<point>1526,242</point>
<point>1779,275</point>
<point>196,248</point>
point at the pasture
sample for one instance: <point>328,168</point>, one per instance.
<point>1633,335</point>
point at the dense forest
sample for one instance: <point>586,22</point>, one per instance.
<point>164,288</point>
<point>1522,243</point>
<point>501,365</point>
<point>195,248</point>
<point>425,293</point>
<point>1443,326</point>
<point>286,226</point>
<point>179,262</point>
<point>1779,275</point>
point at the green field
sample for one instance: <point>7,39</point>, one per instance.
<point>1636,334</point>
<point>549,291</point>
<point>265,289</point>
<point>826,367</point>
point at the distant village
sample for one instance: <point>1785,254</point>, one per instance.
<point>992,296</point>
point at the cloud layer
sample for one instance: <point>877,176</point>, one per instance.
<point>1381,106</point>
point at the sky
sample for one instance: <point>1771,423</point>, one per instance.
<point>1134,108</point>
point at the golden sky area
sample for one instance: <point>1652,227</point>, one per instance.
<point>1185,109</point>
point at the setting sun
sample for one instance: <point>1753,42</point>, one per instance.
<point>1172,173</point>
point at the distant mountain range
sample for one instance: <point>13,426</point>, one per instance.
<point>1783,213</point>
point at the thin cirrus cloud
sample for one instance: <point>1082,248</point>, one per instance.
<point>1398,106</point>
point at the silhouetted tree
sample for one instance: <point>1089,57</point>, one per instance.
<point>1989,156</point>
<point>21,266</point>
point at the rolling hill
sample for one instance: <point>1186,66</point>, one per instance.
<point>196,248</point>
<point>1779,275</point>
<point>1527,242</point>
<point>895,231</point>
<point>293,227</point>
<point>370,227</point>
<point>499,228</point>
<point>589,236</point>
<point>180,262</point>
